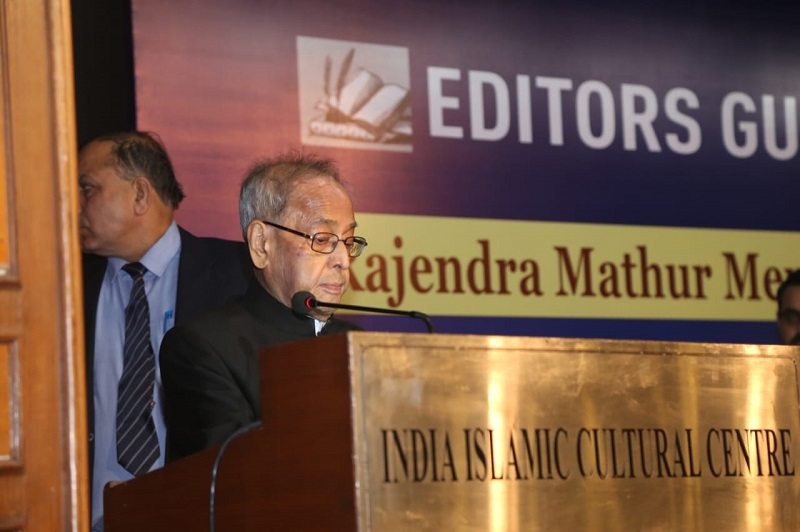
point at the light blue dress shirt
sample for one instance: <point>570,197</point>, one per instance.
<point>161,286</point>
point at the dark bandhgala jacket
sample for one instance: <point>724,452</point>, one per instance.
<point>210,367</point>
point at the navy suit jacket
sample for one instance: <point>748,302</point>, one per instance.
<point>210,272</point>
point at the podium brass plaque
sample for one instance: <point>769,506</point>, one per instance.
<point>477,433</point>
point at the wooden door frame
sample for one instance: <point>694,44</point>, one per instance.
<point>44,473</point>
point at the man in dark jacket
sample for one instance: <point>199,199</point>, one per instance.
<point>128,194</point>
<point>789,309</point>
<point>297,218</point>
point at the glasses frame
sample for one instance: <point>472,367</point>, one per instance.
<point>313,238</point>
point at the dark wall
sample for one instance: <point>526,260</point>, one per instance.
<point>103,56</point>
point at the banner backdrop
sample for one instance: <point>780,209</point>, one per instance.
<point>606,171</point>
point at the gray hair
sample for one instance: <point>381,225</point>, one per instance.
<point>136,153</point>
<point>269,183</point>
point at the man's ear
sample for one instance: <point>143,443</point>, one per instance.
<point>143,194</point>
<point>258,242</point>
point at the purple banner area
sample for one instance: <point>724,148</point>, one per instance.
<point>685,331</point>
<point>620,113</point>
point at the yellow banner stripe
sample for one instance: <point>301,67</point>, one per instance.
<point>483,267</point>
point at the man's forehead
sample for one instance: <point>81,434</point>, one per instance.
<point>316,193</point>
<point>313,181</point>
<point>792,291</point>
<point>97,147</point>
<point>331,213</point>
<point>97,154</point>
<point>322,217</point>
<point>791,297</point>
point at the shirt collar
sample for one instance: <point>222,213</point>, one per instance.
<point>319,325</point>
<point>159,255</point>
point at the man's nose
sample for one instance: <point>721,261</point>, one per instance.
<point>340,258</point>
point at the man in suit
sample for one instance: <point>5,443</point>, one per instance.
<point>789,309</point>
<point>297,218</point>
<point>128,194</point>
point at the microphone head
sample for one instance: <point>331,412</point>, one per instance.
<point>302,302</point>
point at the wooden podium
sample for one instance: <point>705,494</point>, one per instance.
<point>380,431</point>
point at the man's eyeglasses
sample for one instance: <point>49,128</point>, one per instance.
<point>326,242</point>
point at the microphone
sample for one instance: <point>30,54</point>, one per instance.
<point>302,302</point>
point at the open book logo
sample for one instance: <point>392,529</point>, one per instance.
<point>354,94</point>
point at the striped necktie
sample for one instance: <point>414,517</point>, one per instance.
<point>137,442</point>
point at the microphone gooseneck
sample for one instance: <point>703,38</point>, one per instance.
<point>302,302</point>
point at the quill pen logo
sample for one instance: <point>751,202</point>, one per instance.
<point>354,95</point>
